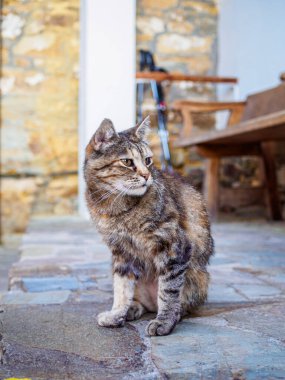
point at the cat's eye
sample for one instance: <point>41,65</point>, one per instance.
<point>127,162</point>
<point>148,161</point>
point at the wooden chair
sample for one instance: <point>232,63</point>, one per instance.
<point>252,128</point>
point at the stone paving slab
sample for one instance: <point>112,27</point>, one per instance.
<point>7,257</point>
<point>226,344</point>
<point>64,342</point>
<point>217,352</point>
<point>43,298</point>
<point>48,316</point>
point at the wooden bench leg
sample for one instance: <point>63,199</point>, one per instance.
<point>211,186</point>
<point>271,186</point>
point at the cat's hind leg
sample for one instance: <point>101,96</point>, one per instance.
<point>145,299</point>
<point>135,311</point>
<point>146,294</point>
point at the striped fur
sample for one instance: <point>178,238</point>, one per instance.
<point>156,226</point>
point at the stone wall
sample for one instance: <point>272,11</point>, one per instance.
<point>39,88</point>
<point>182,34</point>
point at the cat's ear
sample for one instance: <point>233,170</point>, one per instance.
<point>142,130</point>
<point>104,135</point>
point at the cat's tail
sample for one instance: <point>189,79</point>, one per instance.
<point>195,289</point>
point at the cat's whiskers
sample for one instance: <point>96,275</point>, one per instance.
<point>159,184</point>
<point>121,193</point>
<point>100,190</point>
<point>105,196</point>
<point>102,187</point>
<point>159,190</point>
<point>96,191</point>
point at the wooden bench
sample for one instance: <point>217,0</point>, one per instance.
<point>252,128</point>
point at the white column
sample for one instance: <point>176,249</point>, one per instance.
<point>107,70</point>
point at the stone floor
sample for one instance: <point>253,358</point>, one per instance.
<point>7,257</point>
<point>48,328</point>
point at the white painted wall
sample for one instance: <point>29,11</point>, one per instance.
<point>251,42</point>
<point>107,70</point>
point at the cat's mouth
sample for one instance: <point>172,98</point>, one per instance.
<point>139,186</point>
<point>136,190</point>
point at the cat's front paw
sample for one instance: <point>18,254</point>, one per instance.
<point>159,327</point>
<point>111,319</point>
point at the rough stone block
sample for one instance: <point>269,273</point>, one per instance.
<point>254,292</point>
<point>17,197</point>
<point>161,4</point>
<point>180,354</point>
<point>185,45</point>
<point>42,298</point>
<point>44,284</point>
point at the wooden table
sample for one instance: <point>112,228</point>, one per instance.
<point>176,77</point>
<point>257,124</point>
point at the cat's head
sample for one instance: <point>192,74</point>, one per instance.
<point>120,162</point>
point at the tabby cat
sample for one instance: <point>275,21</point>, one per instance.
<point>156,226</point>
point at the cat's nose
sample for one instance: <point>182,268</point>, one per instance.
<point>145,175</point>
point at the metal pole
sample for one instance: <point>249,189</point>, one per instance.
<point>140,89</point>
<point>162,129</point>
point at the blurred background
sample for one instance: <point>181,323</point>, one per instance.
<point>67,64</point>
